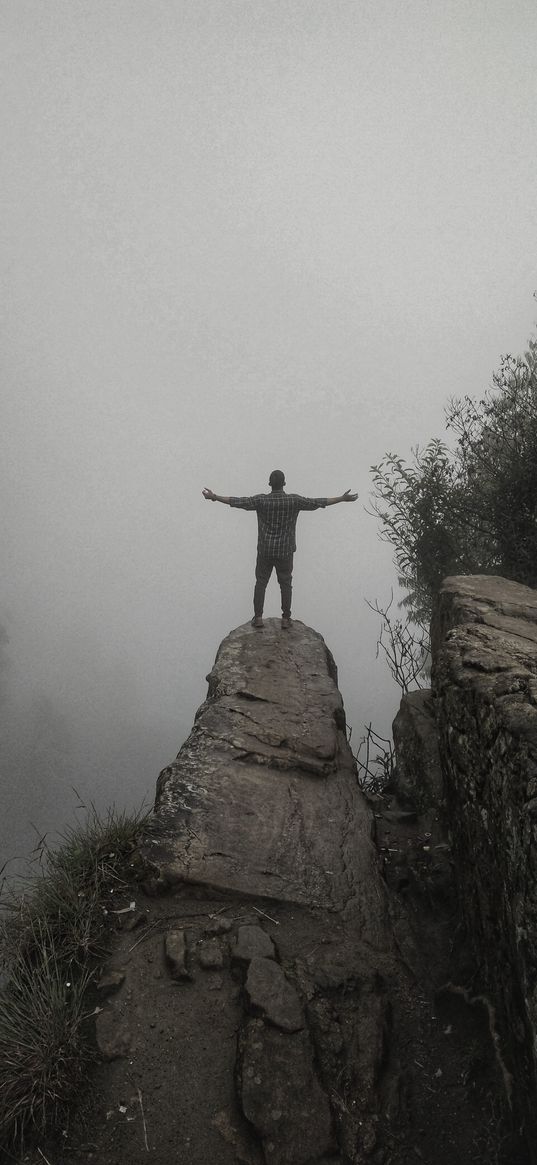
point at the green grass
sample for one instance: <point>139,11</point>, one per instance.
<point>53,933</point>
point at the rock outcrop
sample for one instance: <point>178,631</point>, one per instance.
<point>485,691</point>
<point>262,808</point>
<point>263,798</point>
<point>272,994</point>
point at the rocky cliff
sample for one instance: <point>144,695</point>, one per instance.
<point>278,985</point>
<point>262,806</point>
<point>485,694</point>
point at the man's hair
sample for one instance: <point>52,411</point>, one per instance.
<point>277,479</point>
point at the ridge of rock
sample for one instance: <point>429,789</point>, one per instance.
<point>277,1006</point>
<point>262,798</point>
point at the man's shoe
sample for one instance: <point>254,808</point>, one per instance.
<point>286,623</point>
<point>257,621</point>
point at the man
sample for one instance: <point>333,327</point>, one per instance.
<point>277,513</point>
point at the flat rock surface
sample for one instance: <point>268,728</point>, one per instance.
<point>487,600</point>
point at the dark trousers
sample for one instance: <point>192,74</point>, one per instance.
<point>263,570</point>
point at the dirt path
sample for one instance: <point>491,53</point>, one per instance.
<point>425,1084</point>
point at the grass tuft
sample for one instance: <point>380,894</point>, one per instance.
<point>52,932</point>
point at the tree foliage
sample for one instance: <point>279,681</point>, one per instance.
<point>470,509</point>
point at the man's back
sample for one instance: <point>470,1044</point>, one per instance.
<point>277,513</point>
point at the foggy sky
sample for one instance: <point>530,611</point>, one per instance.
<point>237,235</point>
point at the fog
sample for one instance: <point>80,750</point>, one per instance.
<point>237,235</point>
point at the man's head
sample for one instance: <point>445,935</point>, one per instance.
<point>277,479</point>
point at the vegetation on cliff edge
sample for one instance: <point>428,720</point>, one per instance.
<point>471,509</point>
<point>53,932</point>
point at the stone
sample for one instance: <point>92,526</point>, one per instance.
<point>281,1096</point>
<point>111,980</point>
<point>210,954</point>
<point>133,921</point>
<point>418,778</point>
<point>176,954</point>
<point>112,1035</point>
<point>252,942</point>
<point>216,926</point>
<point>269,992</point>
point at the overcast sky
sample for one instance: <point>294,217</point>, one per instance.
<point>238,235</point>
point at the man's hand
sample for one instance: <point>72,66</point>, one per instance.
<point>346,497</point>
<point>210,496</point>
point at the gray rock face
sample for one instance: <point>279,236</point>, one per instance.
<point>262,799</point>
<point>485,683</point>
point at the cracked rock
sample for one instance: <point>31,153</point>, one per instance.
<point>270,992</point>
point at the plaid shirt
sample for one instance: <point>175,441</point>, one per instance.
<point>277,513</point>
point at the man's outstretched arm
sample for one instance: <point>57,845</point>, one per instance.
<point>212,497</point>
<point>346,497</point>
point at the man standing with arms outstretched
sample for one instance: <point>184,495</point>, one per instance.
<point>277,513</point>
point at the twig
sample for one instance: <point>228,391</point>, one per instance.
<point>41,1154</point>
<point>274,920</point>
<point>145,934</point>
<point>141,1103</point>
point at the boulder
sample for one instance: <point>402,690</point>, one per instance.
<point>418,781</point>
<point>252,942</point>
